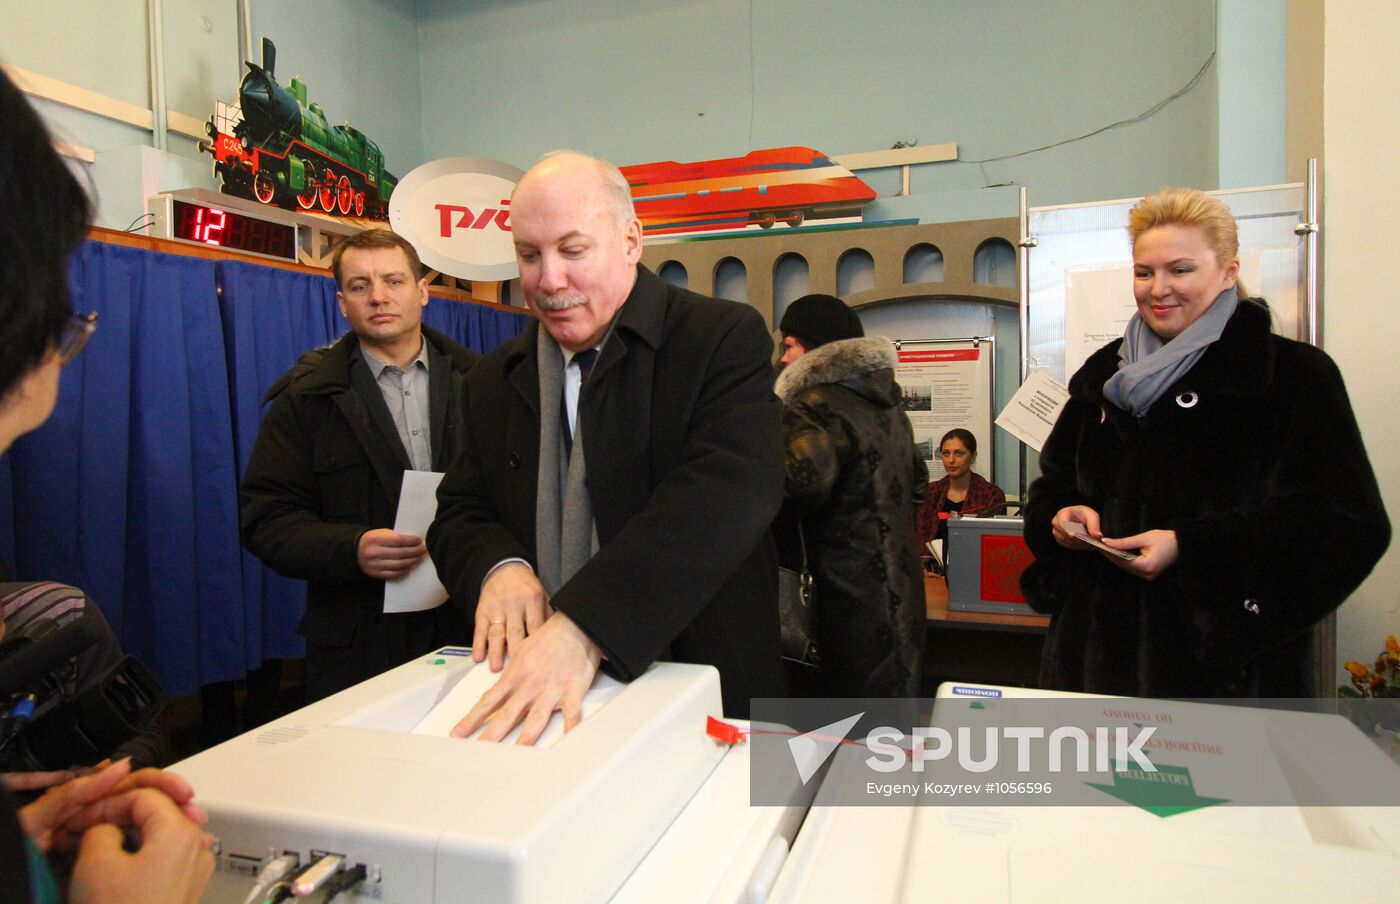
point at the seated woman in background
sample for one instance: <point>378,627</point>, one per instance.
<point>959,490</point>
<point>1192,447</point>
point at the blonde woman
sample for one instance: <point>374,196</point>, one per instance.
<point>1191,447</point>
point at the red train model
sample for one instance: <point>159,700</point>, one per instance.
<point>788,185</point>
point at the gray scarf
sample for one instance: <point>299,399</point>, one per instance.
<point>565,535</point>
<point>1147,366</point>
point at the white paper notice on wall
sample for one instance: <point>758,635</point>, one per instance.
<point>419,589</point>
<point>1033,410</point>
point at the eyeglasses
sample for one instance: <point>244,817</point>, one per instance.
<point>76,333</point>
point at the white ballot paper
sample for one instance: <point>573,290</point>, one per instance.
<point>419,589</point>
<point>1033,410</point>
<point>460,700</point>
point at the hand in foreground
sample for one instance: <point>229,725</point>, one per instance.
<point>387,555</point>
<point>1157,551</point>
<point>38,781</point>
<point>55,820</point>
<point>1076,514</point>
<point>549,670</point>
<point>172,865</point>
<point>512,606</point>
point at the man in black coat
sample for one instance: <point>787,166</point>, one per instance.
<point>321,491</point>
<point>623,519</point>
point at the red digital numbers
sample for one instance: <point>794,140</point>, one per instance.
<point>209,225</point>
<point>212,226</point>
<point>202,224</point>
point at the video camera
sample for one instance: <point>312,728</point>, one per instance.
<point>48,721</point>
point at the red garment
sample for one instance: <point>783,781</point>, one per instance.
<point>982,494</point>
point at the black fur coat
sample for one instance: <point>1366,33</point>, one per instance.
<point>855,479</point>
<point>1255,460</point>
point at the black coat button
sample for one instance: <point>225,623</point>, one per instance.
<point>513,461</point>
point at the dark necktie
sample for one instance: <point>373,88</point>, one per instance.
<point>584,360</point>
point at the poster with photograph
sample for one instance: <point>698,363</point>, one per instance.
<point>945,385</point>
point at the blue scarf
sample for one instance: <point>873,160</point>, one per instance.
<point>1147,366</point>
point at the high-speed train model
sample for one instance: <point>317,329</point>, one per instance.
<point>778,185</point>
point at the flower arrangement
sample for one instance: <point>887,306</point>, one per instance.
<point>1382,681</point>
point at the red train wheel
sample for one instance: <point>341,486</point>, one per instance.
<point>345,195</point>
<point>264,187</point>
<point>359,203</point>
<point>328,192</point>
<point>796,218</point>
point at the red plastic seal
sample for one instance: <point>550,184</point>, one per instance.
<point>724,732</point>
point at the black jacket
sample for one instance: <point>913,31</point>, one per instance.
<point>855,480</point>
<point>1255,460</point>
<point>684,472</point>
<point>327,467</point>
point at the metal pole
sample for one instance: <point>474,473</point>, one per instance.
<point>1028,242</point>
<point>155,41</point>
<point>245,37</point>
<point>992,404</point>
<point>1310,228</point>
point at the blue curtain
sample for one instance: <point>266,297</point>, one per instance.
<point>270,317</point>
<point>124,492</point>
<point>130,490</point>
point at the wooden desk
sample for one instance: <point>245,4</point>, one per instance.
<point>978,646</point>
<point>936,601</point>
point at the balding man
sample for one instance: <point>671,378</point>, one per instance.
<point>622,463</point>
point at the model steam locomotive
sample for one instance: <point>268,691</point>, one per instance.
<point>278,149</point>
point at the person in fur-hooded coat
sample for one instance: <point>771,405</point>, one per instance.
<point>854,480</point>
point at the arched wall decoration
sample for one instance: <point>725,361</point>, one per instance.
<point>887,246</point>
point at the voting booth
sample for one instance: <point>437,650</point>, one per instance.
<point>637,803</point>
<point>985,558</point>
<point>1026,853</point>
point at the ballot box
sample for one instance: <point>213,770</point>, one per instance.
<point>985,558</point>
<point>1205,850</point>
<point>432,818</point>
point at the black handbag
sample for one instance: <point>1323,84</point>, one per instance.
<point>796,595</point>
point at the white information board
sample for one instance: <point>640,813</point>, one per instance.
<point>947,384</point>
<point>1081,271</point>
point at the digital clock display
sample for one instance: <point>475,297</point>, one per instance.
<point>225,229</point>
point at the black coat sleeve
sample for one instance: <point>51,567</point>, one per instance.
<point>469,535</point>
<point>1043,582</point>
<point>280,510</point>
<point>1253,576</point>
<point>816,449</point>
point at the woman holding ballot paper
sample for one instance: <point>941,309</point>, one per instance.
<point>1185,539</point>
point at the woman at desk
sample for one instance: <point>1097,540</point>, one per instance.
<point>1190,449</point>
<point>959,490</point>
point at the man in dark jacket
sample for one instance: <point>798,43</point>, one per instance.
<point>322,487</point>
<point>854,482</point>
<point>613,510</point>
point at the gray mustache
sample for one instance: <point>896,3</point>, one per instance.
<point>561,301</point>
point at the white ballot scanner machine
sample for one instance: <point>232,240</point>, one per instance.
<point>636,804</point>
<point>999,854</point>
